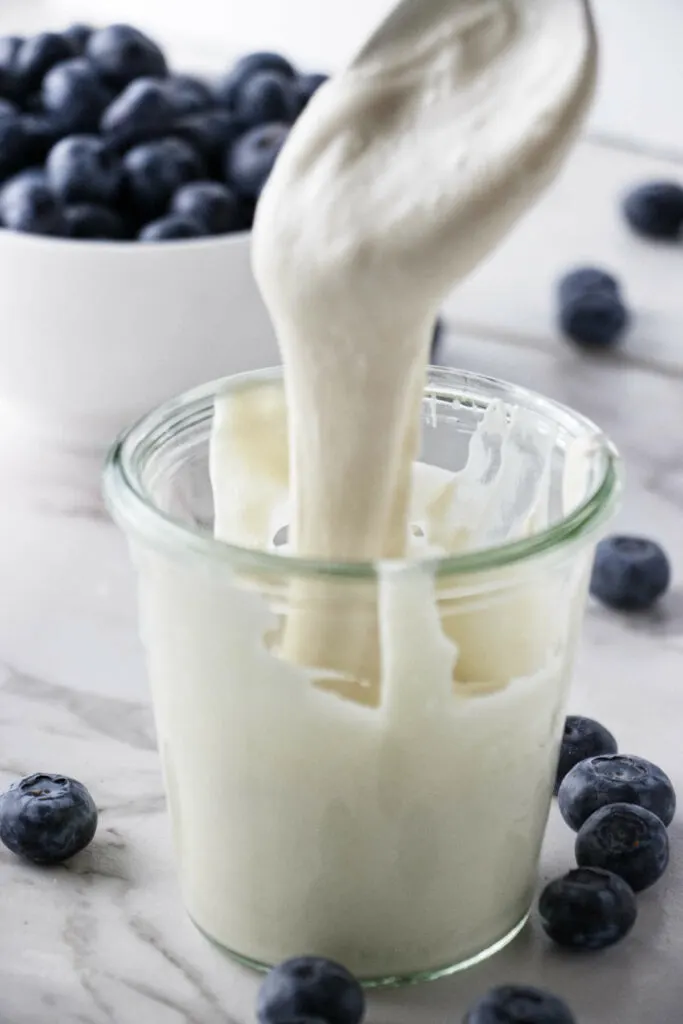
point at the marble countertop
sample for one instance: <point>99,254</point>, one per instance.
<point>105,939</point>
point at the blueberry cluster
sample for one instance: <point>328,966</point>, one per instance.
<point>100,140</point>
<point>313,990</point>
<point>620,807</point>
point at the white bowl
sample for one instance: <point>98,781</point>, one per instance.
<point>94,334</point>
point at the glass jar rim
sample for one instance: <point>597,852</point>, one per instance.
<point>132,507</point>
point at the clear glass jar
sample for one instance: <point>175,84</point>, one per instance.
<point>389,817</point>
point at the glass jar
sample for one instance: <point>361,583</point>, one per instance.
<point>359,758</point>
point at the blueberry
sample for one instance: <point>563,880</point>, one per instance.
<point>615,779</point>
<point>188,94</point>
<point>81,169</point>
<point>155,170</point>
<point>27,204</point>
<point>8,110</point>
<point>78,35</point>
<point>307,86</point>
<point>47,818</point>
<point>594,319</point>
<point>211,134</point>
<point>583,737</point>
<point>266,97</point>
<point>37,55</point>
<point>253,64</point>
<point>630,573</point>
<point>655,210</point>
<point>174,226</point>
<point>626,840</point>
<point>586,280</point>
<point>22,144</point>
<point>587,909</point>
<point>75,95</point>
<point>520,1004</point>
<point>213,205</point>
<point>252,157</point>
<point>122,53</point>
<point>310,987</point>
<point>87,220</point>
<point>9,48</point>
<point>143,111</point>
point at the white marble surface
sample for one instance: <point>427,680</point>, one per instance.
<point>105,939</point>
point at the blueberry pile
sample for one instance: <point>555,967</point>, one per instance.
<point>47,819</point>
<point>100,140</point>
<point>620,807</point>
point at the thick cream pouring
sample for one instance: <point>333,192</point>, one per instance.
<point>403,174</point>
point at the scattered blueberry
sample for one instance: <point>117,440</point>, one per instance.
<point>630,573</point>
<point>252,157</point>
<point>141,112</point>
<point>27,204</point>
<point>189,95</point>
<point>155,170</point>
<point>174,226</point>
<point>615,779</point>
<point>214,206</point>
<point>520,1004</point>
<point>587,909</point>
<point>655,210</point>
<point>122,53</point>
<point>37,55</point>
<point>307,86</point>
<point>47,818</point>
<point>81,169</point>
<point>584,281</point>
<point>266,97</point>
<point>626,840</point>
<point>310,987</point>
<point>75,95</point>
<point>88,221</point>
<point>594,319</point>
<point>78,35</point>
<point>583,737</point>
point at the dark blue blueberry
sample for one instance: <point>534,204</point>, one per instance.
<point>122,53</point>
<point>87,220</point>
<point>47,818</point>
<point>143,111</point>
<point>8,110</point>
<point>37,55</point>
<point>630,573</point>
<point>587,909</point>
<point>211,134</point>
<point>254,63</point>
<point>78,35</point>
<point>188,94</point>
<point>75,95</point>
<point>252,157</point>
<point>520,1004</point>
<point>9,47</point>
<point>627,840</point>
<point>173,226</point>
<point>213,205</point>
<point>27,204</point>
<point>594,319</point>
<point>584,281</point>
<point>266,97</point>
<point>310,987</point>
<point>156,170</point>
<point>583,737</point>
<point>307,86</point>
<point>437,337</point>
<point>655,210</point>
<point>24,142</point>
<point>82,169</point>
<point>615,779</point>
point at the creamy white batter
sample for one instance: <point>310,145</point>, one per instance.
<point>391,818</point>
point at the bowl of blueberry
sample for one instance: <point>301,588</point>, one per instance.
<point>127,193</point>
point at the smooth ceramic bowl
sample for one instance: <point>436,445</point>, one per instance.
<point>94,334</point>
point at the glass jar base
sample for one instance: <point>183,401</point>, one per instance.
<point>390,980</point>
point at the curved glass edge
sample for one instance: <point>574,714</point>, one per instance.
<point>133,510</point>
